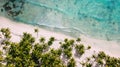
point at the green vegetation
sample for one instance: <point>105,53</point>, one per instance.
<point>78,39</point>
<point>1,57</point>
<point>36,31</point>
<point>71,63</point>
<point>42,40</point>
<point>80,49</point>
<point>89,47</point>
<point>102,60</point>
<point>6,32</point>
<point>28,53</point>
<point>13,7</point>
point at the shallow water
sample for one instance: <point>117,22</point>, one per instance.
<point>95,18</point>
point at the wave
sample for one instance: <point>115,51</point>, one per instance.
<point>45,6</point>
<point>97,19</point>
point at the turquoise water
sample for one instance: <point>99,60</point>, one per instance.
<point>95,18</point>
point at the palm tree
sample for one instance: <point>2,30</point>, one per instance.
<point>112,62</point>
<point>51,60</point>
<point>78,40</point>
<point>3,30</point>
<point>67,53</point>
<point>21,54</point>
<point>83,64</point>
<point>36,31</point>
<point>45,47</point>
<point>71,42</point>
<point>101,55</point>
<point>64,46</point>
<point>71,63</point>
<point>42,39</point>
<point>67,44</point>
<point>57,52</point>
<point>65,40</point>
<point>80,49</point>
<point>7,43</point>
<point>89,47</point>
<point>88,65</point>
<point>6,32</point>
<point>52,39</point>
<point>36,53</point>
<point>50,43</point>
<point>99,61</point>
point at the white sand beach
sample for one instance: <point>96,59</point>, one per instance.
<point>111,48</point>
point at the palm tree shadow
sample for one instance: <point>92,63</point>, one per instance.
<point>76,54</point>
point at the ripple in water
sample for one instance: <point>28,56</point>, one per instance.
<point>96,18</point>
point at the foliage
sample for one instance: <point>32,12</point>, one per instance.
<point>71,63</point>
<point>67,53</point>
<point>36,31</point>
<point>78,39</point>
<point>51,59</point>
<point>6,32</point>
<point>89,47</point>
<point>28,53</point>
<point>42,39</point>
<point>88,65</point>
<point>80,49</point>
<point>101,55</point>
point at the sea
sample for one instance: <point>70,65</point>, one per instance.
<point>94,18</point>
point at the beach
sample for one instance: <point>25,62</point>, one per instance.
<point>111,48</point>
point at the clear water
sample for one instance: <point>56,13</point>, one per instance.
<point>96,18</point>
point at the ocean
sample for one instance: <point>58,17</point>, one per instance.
<point>94,18</point>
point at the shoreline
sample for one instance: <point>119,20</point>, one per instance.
<point>111,48</point>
